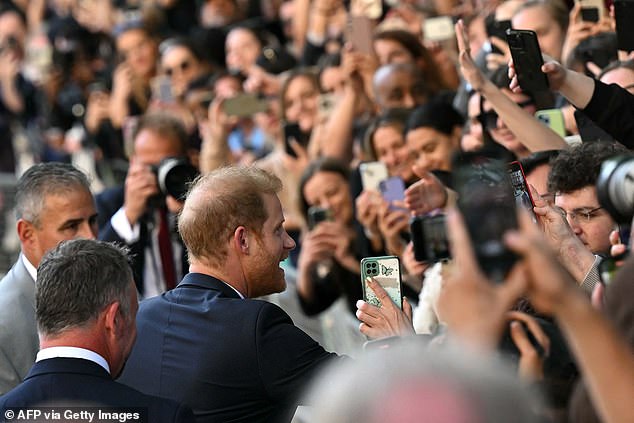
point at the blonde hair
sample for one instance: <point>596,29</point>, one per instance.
<point>217,204</point>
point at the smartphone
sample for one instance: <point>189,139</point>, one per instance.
<point>245,104</point>
<point>292,131</point>
<point>392,189</point>
<point>97,87</point>
<point>440,28</point>
<point>554,119</point>
<point>624,16</point>
<point>372,9</point>
<point>386,271</point>
<point>592,10</point>
<point>496,29</point>
<point>317,214</point>
<point>325,104</point>
<point>521,192</point>
<point>360,33</point>
<point>487,204</point>
<point>162,89</point>
<point>528,60</point>
<point>372,173</point>
<point>429,238</point>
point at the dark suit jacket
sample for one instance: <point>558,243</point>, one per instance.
<point>229,359</point>
<point>108,203</point>
<point>77,382</point>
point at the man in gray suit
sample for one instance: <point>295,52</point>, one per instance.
<point>53,204</point>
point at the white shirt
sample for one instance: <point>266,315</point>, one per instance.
<point>153,279</point>
<point>32,271</point>
<point>72,352</point>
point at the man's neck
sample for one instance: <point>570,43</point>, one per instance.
<point>222,274</point>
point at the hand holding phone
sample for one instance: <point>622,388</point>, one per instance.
<point>385,271</point>
<point>486,201</point>
<point>528,61</point>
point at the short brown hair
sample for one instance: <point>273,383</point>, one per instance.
<point>218,203</point>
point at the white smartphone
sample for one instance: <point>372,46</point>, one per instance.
<point>372,173</point>
<point>438,29</point>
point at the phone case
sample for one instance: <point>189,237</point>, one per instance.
<point>487,204</point>
<point>372,173</point>
<point>592,10</point>
<point>392,189</point>
<point>624,16</point>
<point>554,119</point>
<point>360,33</point>
<point>528,60</point>
<point>244,105</point>
<point>439,29</point>
<point>386,271</point>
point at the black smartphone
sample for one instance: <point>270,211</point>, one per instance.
<point>429,238</point>
<point>316,215</point>
<point>521,192</point>
<point>292,131</point>
<point>487,204</point>
<point>624,16</point>
<point>496,29</point>
<point>528,60</point>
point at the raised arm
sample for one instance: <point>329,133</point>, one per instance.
<point>533,134</point>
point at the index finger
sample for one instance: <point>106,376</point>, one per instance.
<point>379,291</point>
<point>461,36</point>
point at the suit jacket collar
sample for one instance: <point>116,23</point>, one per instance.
<point>208,282</point>
<point>67,365</point>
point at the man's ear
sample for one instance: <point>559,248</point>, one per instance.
<point>113,319</point>
<point>26,231</point>
<point>241,239</point>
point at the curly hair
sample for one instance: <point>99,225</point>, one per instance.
<point>579,166</point>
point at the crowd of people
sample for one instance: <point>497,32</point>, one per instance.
<point>192,186</point>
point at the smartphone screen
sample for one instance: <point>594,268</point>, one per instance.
<point>372,173</point>
<point>429,238</point>
<point>528,60</point>
<point>521,192</point>
<point>488,207</point>
<point>386,271</point>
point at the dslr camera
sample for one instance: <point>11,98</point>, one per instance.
<point>174,175</point>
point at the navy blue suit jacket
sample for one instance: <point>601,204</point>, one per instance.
<point>108,203</point>
<point>76,382</point>
<point>229,359</point>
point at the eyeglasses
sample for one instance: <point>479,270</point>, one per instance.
<point>579,215</point>
<point>183,66</point>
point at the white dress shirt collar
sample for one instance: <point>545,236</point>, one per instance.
<point>72,352</point>
<point>29,267</point>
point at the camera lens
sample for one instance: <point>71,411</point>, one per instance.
<point>615,187</point>
<point>174,176</point>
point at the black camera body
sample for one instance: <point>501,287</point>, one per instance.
<point>174,175</point>
<point>615,187</point>
<point>429,238</point>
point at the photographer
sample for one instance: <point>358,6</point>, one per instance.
<point>140,214</point>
